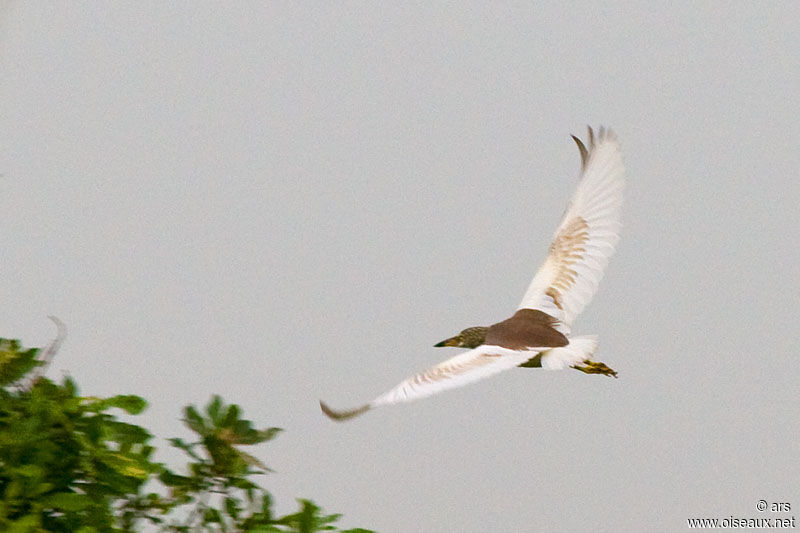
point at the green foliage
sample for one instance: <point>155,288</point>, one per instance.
<point>68,464</point>
<point>65,462</point>
<point>15,362</point>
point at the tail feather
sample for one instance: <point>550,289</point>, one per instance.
<point>576,352</point>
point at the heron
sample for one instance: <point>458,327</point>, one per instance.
<point>539,333</point>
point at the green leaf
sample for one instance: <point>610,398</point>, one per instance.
<point>252,436</point>
<point>186,447</point>
<point>232,507</point>
<point>127,466</point>
<point>194,421</point>
<point>309,519</point>
<point>244,484</point>
<point>231,417</point>
<point>213,409</point>
<point>30,470</point>
<point>68,501</point>
<point>123,432</point>
<point>171,479</point>
<point>131,404</point>
<point>26,524</point>
<point>266,504</point>
<point>15,362</point>
<point>212,516</point>
<point>268,434</point>
<point>127,402</point>
<point>70,387</point>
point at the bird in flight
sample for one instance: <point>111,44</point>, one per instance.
<point>538,334</point>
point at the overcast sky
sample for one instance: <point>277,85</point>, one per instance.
<point>281,202</point>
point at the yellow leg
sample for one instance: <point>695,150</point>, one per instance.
<point>595,367</point>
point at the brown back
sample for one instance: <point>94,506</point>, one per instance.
<point>527,328</point>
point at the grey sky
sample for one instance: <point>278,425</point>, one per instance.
<point>281,203</point>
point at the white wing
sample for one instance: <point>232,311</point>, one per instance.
<point>465,368</point>
<point>586,237</point>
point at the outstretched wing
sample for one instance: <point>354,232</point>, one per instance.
<point>586,237</point>
<point>464,368</point>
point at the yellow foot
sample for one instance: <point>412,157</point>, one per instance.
<point>593,367</point>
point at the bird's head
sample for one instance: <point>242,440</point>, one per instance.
<point>469,338</point>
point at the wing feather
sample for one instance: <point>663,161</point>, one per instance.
<point>586,237</point>
<point>467,367</point>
